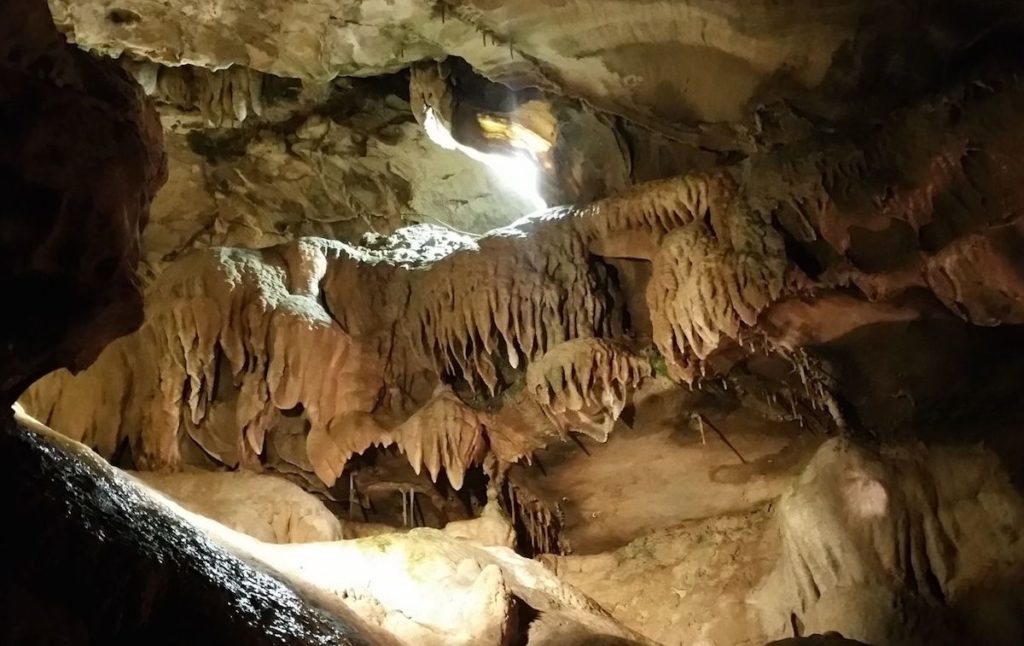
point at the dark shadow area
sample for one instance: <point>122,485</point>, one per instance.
<point>86,560</point>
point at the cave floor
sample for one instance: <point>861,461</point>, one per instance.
<point>608,501</point>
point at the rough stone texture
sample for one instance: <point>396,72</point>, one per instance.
<point>429,352</point>
<point>75,198</point>
<point>907,546</point>
<point>259,159</point>
<point>685,585</point>
<point>904,545</point>
<point>701,459</point>
<point>584,384</point>
<point>661,62</point>
<point>781,230</point>
<point>425,587</point>
<point>342,163</point>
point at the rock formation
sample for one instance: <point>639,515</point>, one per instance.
<point>708,308</point>
<point>99,559</point>
<point>92,183</point>
<point>234,338</point>
<point>881,532</point>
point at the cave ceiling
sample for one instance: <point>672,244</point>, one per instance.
<point>654,60</point>
<point>659,63</point>
<point>295,118</point>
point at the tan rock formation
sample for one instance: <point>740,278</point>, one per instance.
<point>785,221</point>
<point>611,53</point>
<point>269,509</point>
<point>336,162</point>
<point>234,337</point>
<point>584,384</point>
<point>901,546</point>
<point>932,532</point>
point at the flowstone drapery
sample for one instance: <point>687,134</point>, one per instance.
<point>458,357</point>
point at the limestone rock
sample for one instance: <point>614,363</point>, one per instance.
<point>267,508</point>
<point>931,531</point>
<point>723,55</point>
<point>116,565</point>
<point>584,384</point>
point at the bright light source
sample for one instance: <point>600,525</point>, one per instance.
<point>517,134</point>
<point>519,173</point>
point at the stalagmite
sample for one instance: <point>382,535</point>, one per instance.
<point>100,406</point>
<point>491,528</point>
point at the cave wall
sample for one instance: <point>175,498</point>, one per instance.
<point>95,561</point>
<point>71,293</point>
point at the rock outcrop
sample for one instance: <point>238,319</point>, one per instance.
<point>900,544</point>
<point>97,559</point>
<point>76,198</point>
<point>269,509</point>
<point>434,357</point>
<point>903,547</point>
<point>423,587</point>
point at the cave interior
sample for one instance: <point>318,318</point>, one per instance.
<point>481,322</point>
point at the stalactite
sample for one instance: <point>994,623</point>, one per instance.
<point>237,310</point>
<point>357,340</point>
<point>659,206</point>
<point>515,299</point>
<point>541,523</point>
<point>444,433</point>
<point>330,448</point>
<point>583,384</point>
<point>818,386</point>
<point>709,282</point>
<point>221,96</point>
<point>520,427</point>
<point>430,90</point>
<point>282,347</point>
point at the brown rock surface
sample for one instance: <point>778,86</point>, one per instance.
<point>80,161</point>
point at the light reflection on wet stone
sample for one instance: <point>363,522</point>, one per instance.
<point>178,585</point>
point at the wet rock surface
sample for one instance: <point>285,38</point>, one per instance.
<point>93,562</point>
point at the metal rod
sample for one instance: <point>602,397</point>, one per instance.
<point>579,443</point>
<point>727,442</point>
